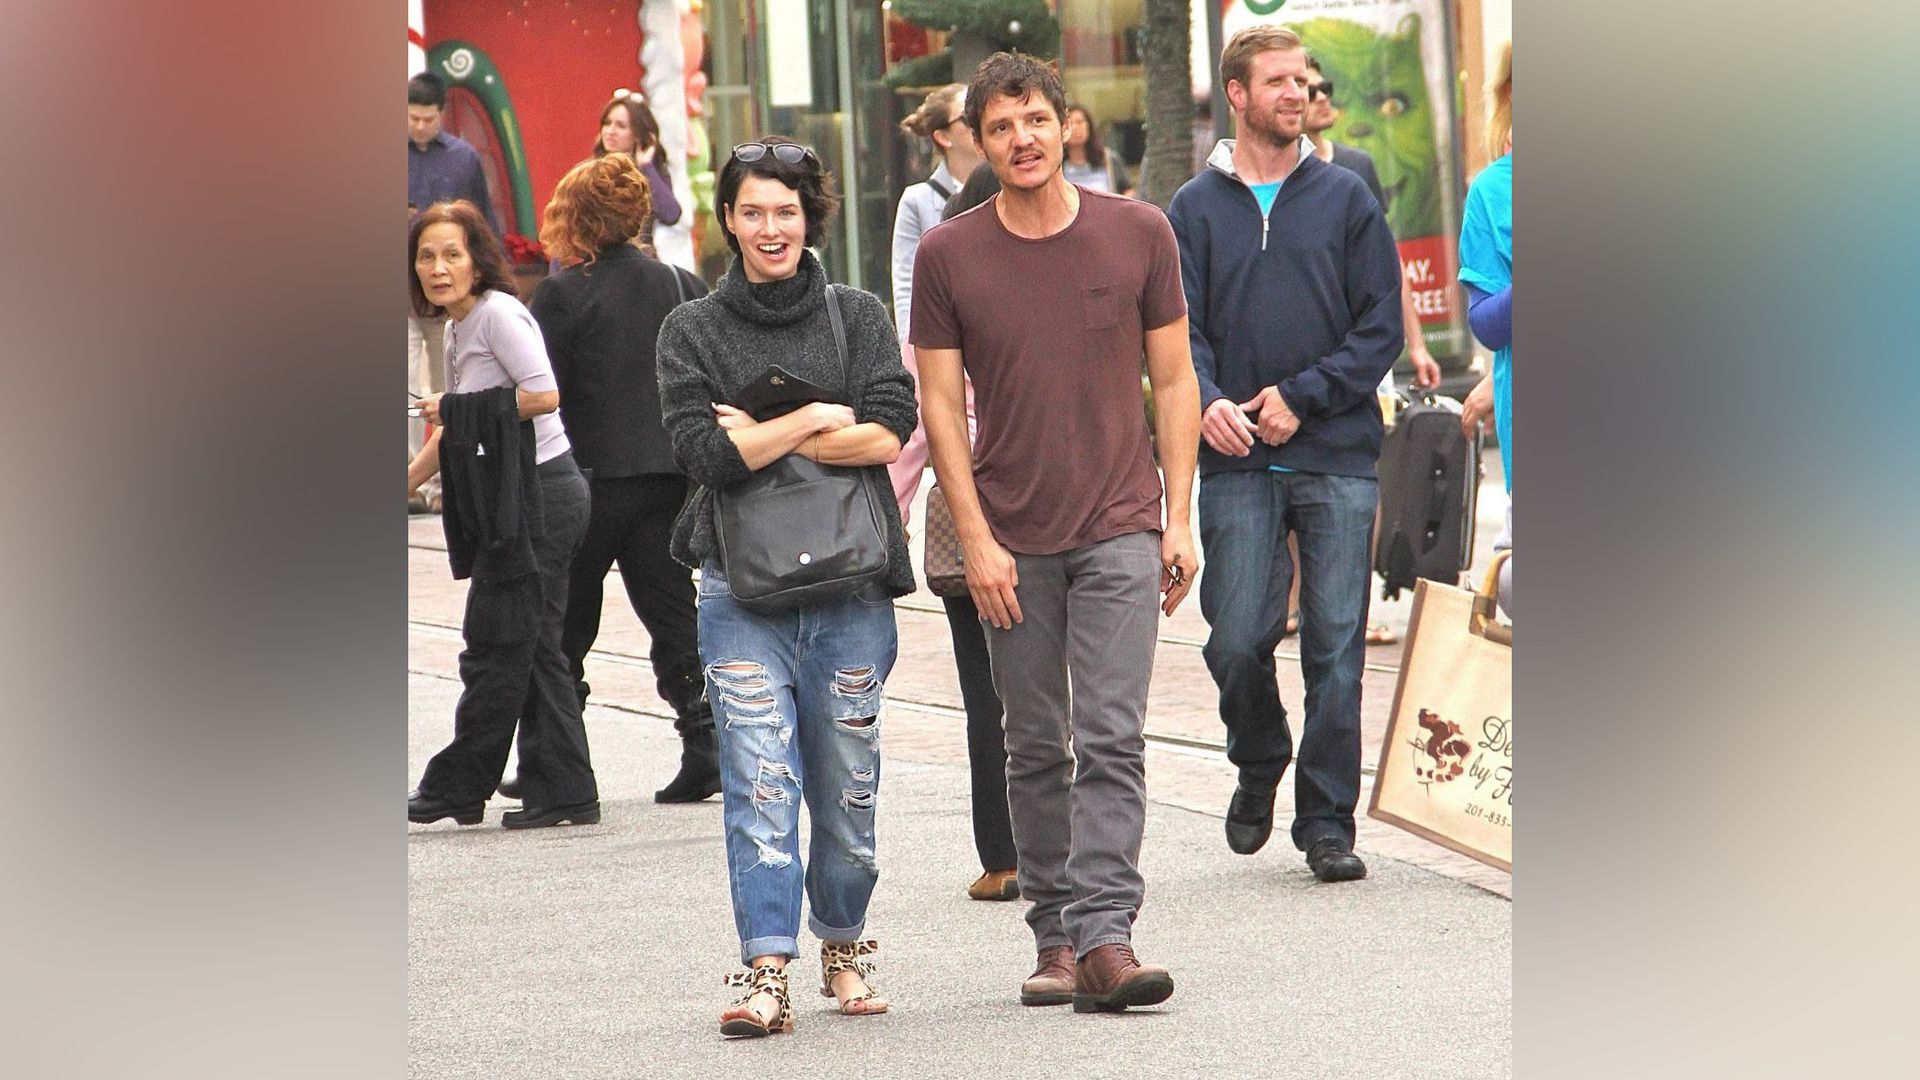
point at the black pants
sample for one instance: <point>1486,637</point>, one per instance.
<point>986,736</point>
<point>631,525</point>
<point>515,673</point>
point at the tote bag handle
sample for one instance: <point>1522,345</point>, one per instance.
<point>1485,601</point>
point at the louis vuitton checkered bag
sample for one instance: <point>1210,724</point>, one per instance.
<point>945,576</point>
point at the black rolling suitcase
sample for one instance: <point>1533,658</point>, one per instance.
<point>1429,483</point>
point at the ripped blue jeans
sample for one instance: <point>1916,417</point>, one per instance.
<point>796,705</point>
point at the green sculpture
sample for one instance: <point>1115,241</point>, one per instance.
<point>1380,87</point>
<point>464,64</point>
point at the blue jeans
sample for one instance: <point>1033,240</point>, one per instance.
<point>1244,520</point>
<point>796,701</point>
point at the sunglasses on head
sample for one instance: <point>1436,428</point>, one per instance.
<point>635,96</point>
<point>786,153</point>
<point>1323,88</point>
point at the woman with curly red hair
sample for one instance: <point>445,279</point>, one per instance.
<point>600,317</point>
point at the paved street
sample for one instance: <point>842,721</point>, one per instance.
<point>598,951</point>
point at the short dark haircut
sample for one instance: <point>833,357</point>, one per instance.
<point>809,178</point>
<point>1014,75</point>
<point>427,88</point>
<point>490,269</point>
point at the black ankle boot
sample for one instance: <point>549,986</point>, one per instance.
<point>699,776</point>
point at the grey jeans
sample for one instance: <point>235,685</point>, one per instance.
<point>1073,676</point>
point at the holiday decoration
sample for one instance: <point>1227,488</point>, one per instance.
<point>978,28</point>
<point>524,251</point>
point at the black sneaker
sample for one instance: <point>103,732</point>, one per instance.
<point>1331,860</point>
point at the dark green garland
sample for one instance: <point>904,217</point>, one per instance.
<point>1039,33</point>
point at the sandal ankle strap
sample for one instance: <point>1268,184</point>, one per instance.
<point>839,956</point>
<point>765,979</point>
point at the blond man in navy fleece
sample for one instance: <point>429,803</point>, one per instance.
<point>1293,289</point>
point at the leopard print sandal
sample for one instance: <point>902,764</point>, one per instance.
<point>741,1021</point>
<point>839,956</point>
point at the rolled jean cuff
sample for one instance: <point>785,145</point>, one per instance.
<point>1104,939</point>
<point>769,946</point>
<point>834,933</point>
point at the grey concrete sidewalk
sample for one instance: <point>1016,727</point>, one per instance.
<point>598,951</point>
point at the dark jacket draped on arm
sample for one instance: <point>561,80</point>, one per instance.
<point>492,512</point>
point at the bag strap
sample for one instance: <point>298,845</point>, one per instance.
<point>679,286</point>
<point>1486,602</point>
<point>939,187</point>
<point>840,339</point>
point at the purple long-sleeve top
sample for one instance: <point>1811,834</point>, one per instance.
<point>666,206</point>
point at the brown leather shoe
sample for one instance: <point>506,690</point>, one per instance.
<point>1052,980</point>
<point>1110,979</point>
<point>996,885</point>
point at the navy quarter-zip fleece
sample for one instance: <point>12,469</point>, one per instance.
<point>1306,299</point>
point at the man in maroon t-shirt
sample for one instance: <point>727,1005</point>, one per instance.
<point>1047,295</point>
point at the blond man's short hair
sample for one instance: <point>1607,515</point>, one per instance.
<point>1236,60</point>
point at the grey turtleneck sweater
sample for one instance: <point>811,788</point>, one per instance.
<point>711,348</point>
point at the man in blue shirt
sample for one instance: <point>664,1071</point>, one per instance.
<point>439,166</point>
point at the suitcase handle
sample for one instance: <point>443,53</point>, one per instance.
<point>1485,602</point>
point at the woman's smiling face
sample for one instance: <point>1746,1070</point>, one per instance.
<point>771,226</point>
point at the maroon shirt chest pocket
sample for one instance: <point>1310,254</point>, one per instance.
<point>1100,307</point>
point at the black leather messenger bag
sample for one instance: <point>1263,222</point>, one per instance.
<point>798,533</point>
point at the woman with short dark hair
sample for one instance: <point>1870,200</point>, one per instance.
<point>796,694</point>
<point>516,506</point>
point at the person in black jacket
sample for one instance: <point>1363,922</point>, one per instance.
<point>516,509</point>
<point>600,319</point>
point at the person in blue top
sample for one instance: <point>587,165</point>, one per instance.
<point>1486,270</point>
<point>1486,266</point>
